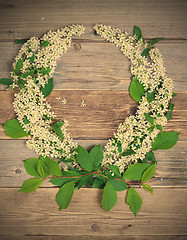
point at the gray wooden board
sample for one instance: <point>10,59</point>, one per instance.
<point>171,168</point>
<point>102,65</point>
<point>22,19</point>
<point>164,213</point>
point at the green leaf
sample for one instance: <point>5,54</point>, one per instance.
<point>18,67</point>
<point>48,88</point>
<point>165,140</point>
<point>42,169</point>
<point>61,181</point>
<point>30,185</point>
<point>174,94</point>
<point>155,41</point>
<point>135,171</point>
<point>128,152</point>
<point>20,41</point>
<point>31,166</point>
<point>64,196</point>
<point>118,184</point>
<point>150,96</point>
<point>136,89</point>
<point>98,183</point>
<point>134,201</point>
<point>149,173</point>
<point>14,130</point>
<point>110,197</point>
<point>145,52</point>
<point>137,32</point>
<point>84,159</point>
<point>59,124</point>
<point>58,131</point>
<point>6,81</point>
<point>168,115</point>
<point>151,128</point>
<point>32,58</point>
<point>171,106</point>
<point>148,188</point>
<point>97,155</point>
<point>84,180</point>
<point>159,127</point>
<point>115,170</point>
<point>149,118</point>
<point>45,43</point>
<point>26,121</point>
<point>151,157</point>
<point>70,173</point>
<point>52,166</point>
<point>45,71</point>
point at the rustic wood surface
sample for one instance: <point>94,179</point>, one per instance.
<point>95,71</point>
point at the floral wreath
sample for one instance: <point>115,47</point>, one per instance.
<point>128,157</point>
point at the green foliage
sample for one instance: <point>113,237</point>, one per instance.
<point>151,157</point>
<point>18,67</point>
<point>115,170</point>
<point>52,166</point>
<point>98,183</point>
<point>168,115</point>
<point>64,195</point>
<point>97,155</point>
<point>145,52</point>
<point>61,181</point>
<point>136,89</point>
<point>165,140</point>
<point>149,173</point>
<point>44,43</point>
<point>156,40</point>
<point>48,88</point>
<point>6,81</point>
<point>134,201</point>
<point>174,94</point>
<point>137,32</point>
<point>32,58</point>
<point>58,131</point>
<point>150,96</point>
<point>171,106</point>
<point>148,188</point>
<point>14,130</point>
<point>128,152</point>
<point>135,171</point>
<point>31,166</point>
<point>45,71</point>
<point>84,159</point>
<point>149,118</point>
<point>26,121</point>
<point>159,127</point>
<point>119,185</point>
<point>20,41</point>
<point>84,180</point>
<point>110,197</point>
<point>30,185</point>
<point>59,124</point>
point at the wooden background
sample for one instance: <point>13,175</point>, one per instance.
<point>95,71</point>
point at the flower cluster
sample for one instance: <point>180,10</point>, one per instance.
<point>33,67</point>
<point>137,133</point>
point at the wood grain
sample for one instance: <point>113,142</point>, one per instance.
<point>23,19</point>
<point>97,72</point>
<point>38,214</point>
<point>95,65</point>
<point>101,116</point>
<point>171,168</point>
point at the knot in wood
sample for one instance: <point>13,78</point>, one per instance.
<point>95,227</point>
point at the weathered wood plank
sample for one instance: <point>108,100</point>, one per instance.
<point>90,65</point>
<point>38,214</point>
<point>22,19</point>
<point>103,112</point>
<point>90,237</point>
<point>171,168</point>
